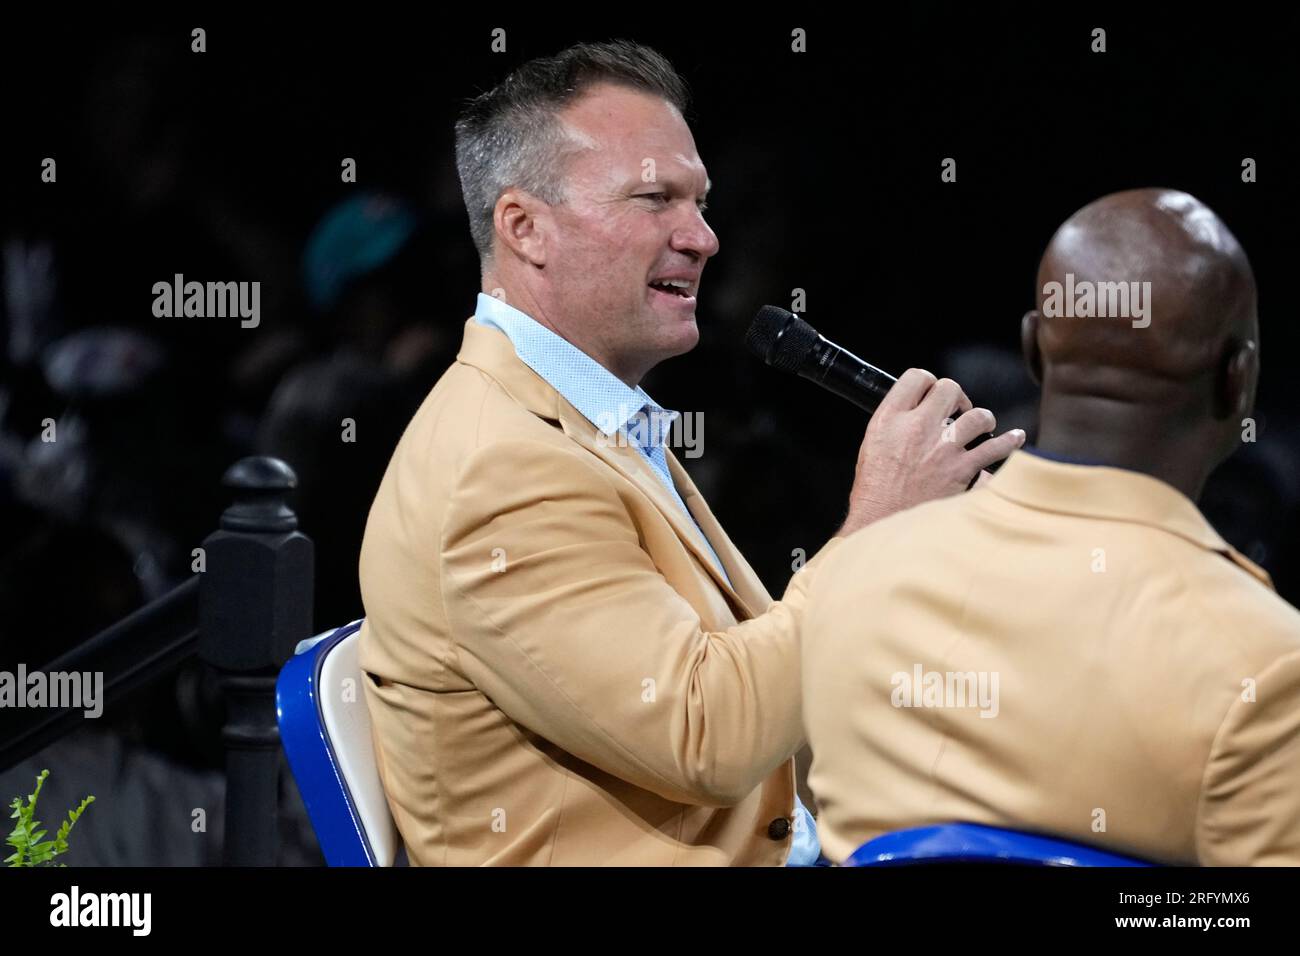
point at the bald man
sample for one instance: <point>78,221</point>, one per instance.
<point>1071,649</point>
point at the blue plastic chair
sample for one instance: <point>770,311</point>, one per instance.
<point>976,843</point>
<point>325,731</point>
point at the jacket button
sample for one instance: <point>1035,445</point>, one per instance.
<point>779,828</point>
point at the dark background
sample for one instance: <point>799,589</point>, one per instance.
<point>825,165</point>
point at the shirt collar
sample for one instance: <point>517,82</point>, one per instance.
<point>601,396</point>
<point>1063,459</point>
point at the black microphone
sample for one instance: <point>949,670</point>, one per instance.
<point>786,342</point>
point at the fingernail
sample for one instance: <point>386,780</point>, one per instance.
<point>1020,435</point>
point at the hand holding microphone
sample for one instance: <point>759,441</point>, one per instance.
<point>924,439</point>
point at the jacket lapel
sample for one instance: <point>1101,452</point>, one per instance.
<point>631,465</point>
<point>492,352</point>
<point>746,583</point>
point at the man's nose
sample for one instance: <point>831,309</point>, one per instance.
<point>695,236</point>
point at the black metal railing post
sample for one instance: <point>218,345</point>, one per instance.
<point>255,604</point>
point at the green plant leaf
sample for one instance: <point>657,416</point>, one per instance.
<point>25,838</point>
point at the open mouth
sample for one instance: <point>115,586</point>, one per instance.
<point>676,292</point>
<point>672,287</point>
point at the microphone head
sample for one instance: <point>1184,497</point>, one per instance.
<point>780,338</point>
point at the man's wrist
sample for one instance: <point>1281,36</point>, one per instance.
<point>860,515</point>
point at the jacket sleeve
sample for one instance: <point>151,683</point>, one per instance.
<point>562,619</point>
<point>1250,800</point>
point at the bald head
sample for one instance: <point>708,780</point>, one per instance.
<point>1187,283</point>
<point>1146,324</point>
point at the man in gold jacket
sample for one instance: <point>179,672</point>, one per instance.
<point>568,661</point>
<point>1071,648</point>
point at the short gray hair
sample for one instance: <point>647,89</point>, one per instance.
<point>511,135</point>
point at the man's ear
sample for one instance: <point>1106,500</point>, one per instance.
<point>522,223</point>
<point>1241,371</point>
<point>1029,345</point>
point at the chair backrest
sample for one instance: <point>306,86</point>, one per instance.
<point>976,843</point>
<point>325,730</point>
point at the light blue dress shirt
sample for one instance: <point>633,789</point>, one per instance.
<point>608,403</point>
